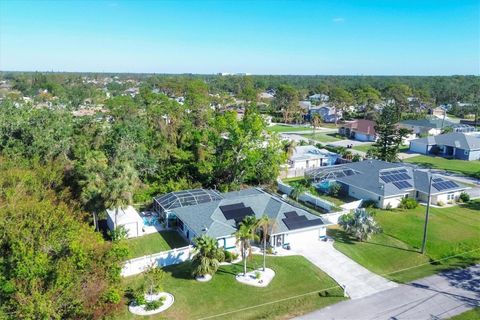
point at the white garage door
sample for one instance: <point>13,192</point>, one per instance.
<point>302,238</point>
<point>418,147</point>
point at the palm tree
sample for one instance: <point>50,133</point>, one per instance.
<point>289,148</point>
<point>244,235</point>
<point>207,256</point>
<point>360,224</point>
<point>266,225</point>
<point>297,191</point>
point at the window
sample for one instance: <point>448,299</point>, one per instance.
<point>450,196</point>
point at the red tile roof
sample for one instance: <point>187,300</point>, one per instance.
<point>361,125</point>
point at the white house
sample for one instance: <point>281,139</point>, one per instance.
<point>128,218</point>
<point>309,157</point>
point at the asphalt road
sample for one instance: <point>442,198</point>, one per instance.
<point>436,297</point>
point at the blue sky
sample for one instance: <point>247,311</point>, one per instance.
<point>259,37</point>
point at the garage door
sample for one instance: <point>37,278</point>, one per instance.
<point>302,238</point>
<point>418,147</point>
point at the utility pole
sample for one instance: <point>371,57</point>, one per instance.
<point>424,242</point>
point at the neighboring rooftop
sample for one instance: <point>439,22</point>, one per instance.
<point>436,123</point>
<point>466,141</point>
<point>361,125</point>
<point>310,152</point>
<point>380,177</point>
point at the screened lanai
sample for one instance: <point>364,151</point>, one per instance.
<point>185,198</point>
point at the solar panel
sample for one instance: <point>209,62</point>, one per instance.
<point>298,224</point>
<point>290,214</point>
<point>437,180</point>
<point>444,185</point>
<point>238,214</point>
<point>402,184</point>
<point>402,170</point>
<point>230,207</point>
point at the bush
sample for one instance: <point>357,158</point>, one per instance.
<point>112,296</point>
<point>152,305</point>
<point>333,189</point>
<point>440,203</point>
<point>257,275</point>
<point>464,197</point>
<point>138,297</point>
<point>408,203</point>
<point>368,204</point>
<point>228,256</point>
<point>269,250</point>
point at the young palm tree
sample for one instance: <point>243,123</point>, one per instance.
<point>297,191</point>
<point>207,256</point>
<point>245,234</point>
<point>266,225</point>
<point>360,224</point>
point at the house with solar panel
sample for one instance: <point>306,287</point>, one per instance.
<point>386,183</point>
<point>197,212</point>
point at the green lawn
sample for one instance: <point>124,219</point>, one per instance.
<point>451,231</point>
<point>363,147</point>
<point>324,137</point>
<point>473,314</point>
<point>469,168</point>
<point>155,242</point>
<point>294,276</point>
<point>284,128</point>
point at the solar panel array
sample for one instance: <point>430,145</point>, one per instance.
<point>236,212</point>
<point>402,184</point>
<point>294,221</point>
<point>445,185</point>
<point>391,177</point>
<point>437,179</point>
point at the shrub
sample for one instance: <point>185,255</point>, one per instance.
<point>228,256</point>
<point>389,206</point>
<point>112,296</point>
<point>464,197</point>
<point>408,203</point>
<point>152,305</point>
<point>257,275</point>
<point>269,250</point>
<point>368,204</point>
<point>333,189</point>
<point>440,203</point>
<point>138,297</point>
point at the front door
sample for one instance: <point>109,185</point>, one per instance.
<point>279,240</point>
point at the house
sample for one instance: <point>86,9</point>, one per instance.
<point>455,145</point>
<point>309,157</point>
<point>385,183</point>
<point>319,97</point>
<point>197,212</point>
<point>361,130</point>
<point>326,113</point>
<point>438,112</point>
<point>433,126</point>
<point>135,224</point>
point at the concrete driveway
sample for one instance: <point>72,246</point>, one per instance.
<point>436,297</point>
<point>359,281</point>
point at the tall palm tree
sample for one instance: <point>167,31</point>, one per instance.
<point>207,256</point>
<point>244,235</point>
<point>265,224</point>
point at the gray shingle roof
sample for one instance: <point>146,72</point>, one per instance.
<point>368,172</point>
<point>436,123</point>
<point>453,139</point>
<point>207,218</point>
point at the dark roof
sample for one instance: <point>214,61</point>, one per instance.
<point>433,123</point>
<point>186,198</point>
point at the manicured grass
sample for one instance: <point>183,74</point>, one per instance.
<point>363,147</point>
<point>155,242</point>
<point>473,314</point>
<point>469,168</point>
<point>451,231</point>
<point>294,276</point>
<point>285,128</point>
<point>337,200</point>
<point>324,137</point>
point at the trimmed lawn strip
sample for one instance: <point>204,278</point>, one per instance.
<point>469,168</point>
<point>324,137</point>
<point>284,128</point>
<point>294,276</point>
<point>363,147</point>
<point>154,243</point>
<point>451,231</point>
<point>473,314</point>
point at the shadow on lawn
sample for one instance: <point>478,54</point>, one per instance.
<point>390,246</point>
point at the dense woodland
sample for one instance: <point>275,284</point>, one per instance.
<point>58,171</point>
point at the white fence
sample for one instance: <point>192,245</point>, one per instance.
<point>292,173</point>
<point>161,259</point>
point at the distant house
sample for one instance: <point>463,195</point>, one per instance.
<point>309,157</point>
<point>326,113</point>
<point>207,212</point>
<point>266,96</point>
<point>305,105</point>
<point>385,183</point>
<point>456,145</point>
<point>319,97</point>
<point>438,112</point>
<point>433,126</point>
<point>361,130</point>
